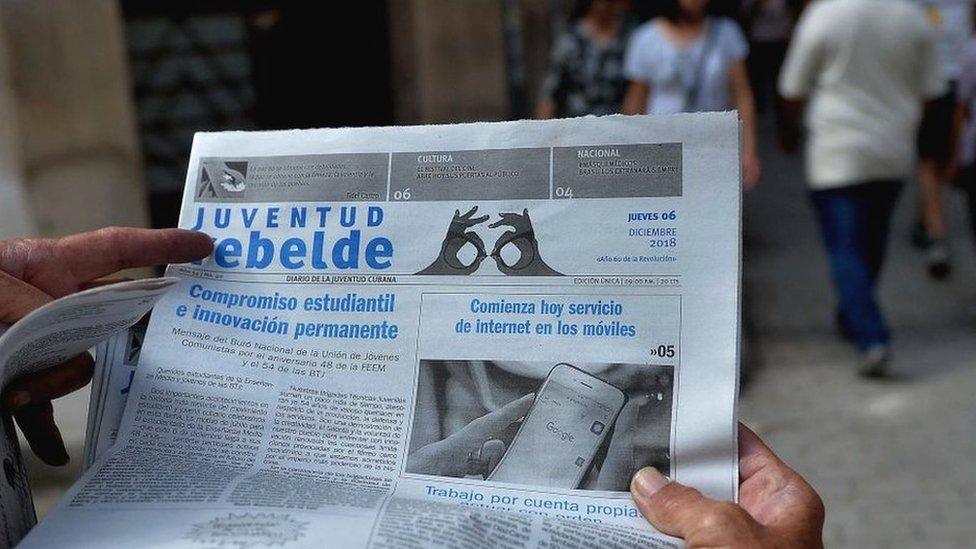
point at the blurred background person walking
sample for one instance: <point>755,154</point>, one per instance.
<point>867,67</point>
<point>951,20</point>
<point>965,126</point>
<point>585,73</point>
<point>769,25</point>
<point>687,61</point>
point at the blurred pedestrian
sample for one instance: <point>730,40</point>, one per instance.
<point>687,61</point>
<point>966,126</point>
<point>951,20</point>
<point>867,67</point>
<point>769,25</point>
<point>586,69</point>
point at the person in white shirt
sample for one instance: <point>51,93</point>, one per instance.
<point>687,61</point>
<point>865,68</point>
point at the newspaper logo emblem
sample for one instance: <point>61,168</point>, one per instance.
<point>248,530</point>
<point>229,176</point>
<point>133,346</point>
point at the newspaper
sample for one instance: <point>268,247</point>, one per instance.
<point>48,336</point>
<point>451,336</point>
<point>116,359</point>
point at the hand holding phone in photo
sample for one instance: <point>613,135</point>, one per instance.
<point>558,439</point>
<point>474,450</point>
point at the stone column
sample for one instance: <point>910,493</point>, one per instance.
<point>448,61</point>
<point>75,123</point>
<point>15,213</point>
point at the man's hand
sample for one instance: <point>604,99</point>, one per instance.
<point>777,508</point>
<point>36,271</point>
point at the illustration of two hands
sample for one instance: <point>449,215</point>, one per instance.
<point>521,235</point>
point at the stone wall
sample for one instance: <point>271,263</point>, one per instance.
<point>70,114</point>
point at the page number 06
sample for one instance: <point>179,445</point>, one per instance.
<point>401,194</point>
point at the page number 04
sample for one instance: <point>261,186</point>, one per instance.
<point>564,192</point>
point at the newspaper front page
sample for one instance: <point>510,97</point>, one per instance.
<point>451,336</point>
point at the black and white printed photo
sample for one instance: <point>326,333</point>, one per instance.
<point>559,424</point>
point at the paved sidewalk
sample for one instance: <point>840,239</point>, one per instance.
<point>895,461</point>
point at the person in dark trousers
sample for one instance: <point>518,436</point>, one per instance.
<point>965,128</point>
<point>865,69</point>
<point>769,25</point>
<point>950,21</point>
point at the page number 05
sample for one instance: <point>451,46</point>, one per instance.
<point>663,351</point>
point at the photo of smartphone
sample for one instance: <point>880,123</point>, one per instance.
<point>562,432</point>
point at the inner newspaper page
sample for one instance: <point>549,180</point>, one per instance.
<point>460,336</point>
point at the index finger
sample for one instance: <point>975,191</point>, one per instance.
<point>472,221</point>
<point>99,253</point>
<point>17,298</point>
<point>507,218</point>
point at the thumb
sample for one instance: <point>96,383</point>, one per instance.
<point>17,298</point>
<point>677,510</point>
<point>492,423</point>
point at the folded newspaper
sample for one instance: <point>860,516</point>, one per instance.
<point>48,336</point>
<point>441,336</point>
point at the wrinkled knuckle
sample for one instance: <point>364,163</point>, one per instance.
<point>113,235</point>
<point>817,508</point>
<point>15,252</point>
<point>722,517</point>
<point>674,499</point>
<point>668,505</point>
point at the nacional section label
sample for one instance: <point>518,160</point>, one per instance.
<point>617,171</point>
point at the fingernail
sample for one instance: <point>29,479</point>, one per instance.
<point>648,481</point>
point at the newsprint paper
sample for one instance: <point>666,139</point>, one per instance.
<point>47,336</point>
<point>440,336</point>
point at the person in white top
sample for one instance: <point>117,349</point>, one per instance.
<point>865,69</point>
<point>687,61</point>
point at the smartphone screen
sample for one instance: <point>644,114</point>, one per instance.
<point>571,415</point>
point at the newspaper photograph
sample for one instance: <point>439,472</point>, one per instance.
<point>436,336</point>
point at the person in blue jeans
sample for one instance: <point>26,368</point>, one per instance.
<point>863,70</point>
<point>854,222</point>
